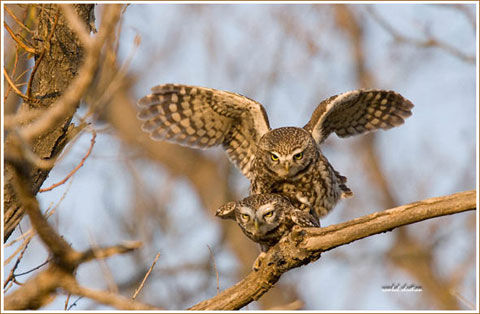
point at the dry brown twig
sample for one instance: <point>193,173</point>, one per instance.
<point>15,18</point>
<point>71,173</point>
<point>137,291</point>
<point>15,63</point>
<point>18,40</point>
<point>15,88</point>
<point>11,276</point>
<point>215,268</point>
<point>104,297</point>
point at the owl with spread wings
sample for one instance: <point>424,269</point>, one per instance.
<point>286,160</point>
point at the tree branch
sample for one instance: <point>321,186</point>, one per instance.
<point>303,246</point>
<point>68,102</point>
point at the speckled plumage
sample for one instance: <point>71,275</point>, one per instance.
<point>315,187</point>
<point>251,215</point>
<point>285,160</point>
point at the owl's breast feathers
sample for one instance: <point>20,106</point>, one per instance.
<point>317,188</point>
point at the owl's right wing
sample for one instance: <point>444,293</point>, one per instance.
<point>357,112</point>
<point>203,117</point>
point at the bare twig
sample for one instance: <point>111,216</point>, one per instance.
<point>66,307</point>
<point>15,63</point>
<point>460,297</point>
<point>11,276</point>
<point>104,297</point>
<point>33,269</point>
<point>303,246</point>
<point>92,143</point>
<point>215,268</point>
<point>74,303</point>
<point>105,269</point>
<point>20,237</point>
<point>18,40</point>
<point>15,89</point>
<point>137,291</point>
<point>15,18</point>
<point>97,253</point>
<point>62,252</point>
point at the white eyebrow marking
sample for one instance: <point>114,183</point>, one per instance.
<point>264,208</point>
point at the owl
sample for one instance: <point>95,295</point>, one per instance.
<point>287,160</point>
<point>265,218</point>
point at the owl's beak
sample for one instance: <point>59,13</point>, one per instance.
<point>287,166</point>
<point>256,225</point>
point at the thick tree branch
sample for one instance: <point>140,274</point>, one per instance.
<point>303,246</point>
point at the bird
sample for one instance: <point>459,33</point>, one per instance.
<point>266,218</point>
<point>287,160</point>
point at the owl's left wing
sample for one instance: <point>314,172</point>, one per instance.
<point>304,219</point>
<point>203,117</point>
<point>358,111</point>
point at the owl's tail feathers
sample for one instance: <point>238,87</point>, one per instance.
<point>346,192</point>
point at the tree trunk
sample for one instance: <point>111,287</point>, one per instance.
<point>57,62</point>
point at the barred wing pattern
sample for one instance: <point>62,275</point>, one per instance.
<point>358,111</point>
<point>303,219</point>
<point>203,117</point>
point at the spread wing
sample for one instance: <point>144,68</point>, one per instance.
<point>357,112</point>
<point>203,117</point>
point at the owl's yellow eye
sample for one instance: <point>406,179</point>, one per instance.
<point>298,156</point>
<point>245,216</point>
<point>274,157</point>
<point>268,215</point>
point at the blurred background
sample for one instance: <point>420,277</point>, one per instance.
<point>289,58</point>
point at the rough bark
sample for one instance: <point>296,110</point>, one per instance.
<point>58,63</point>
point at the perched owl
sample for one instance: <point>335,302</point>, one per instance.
<point>265,218</point>
<point>286,160</point>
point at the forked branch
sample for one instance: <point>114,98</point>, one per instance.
<point>303,246</point>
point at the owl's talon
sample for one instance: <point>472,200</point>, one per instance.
<point>258,261</point>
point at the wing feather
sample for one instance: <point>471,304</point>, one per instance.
<point>357,112</point>
<point>203,117</point>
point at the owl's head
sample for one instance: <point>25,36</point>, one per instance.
<point>286,151</point>
<point>257,214</point>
